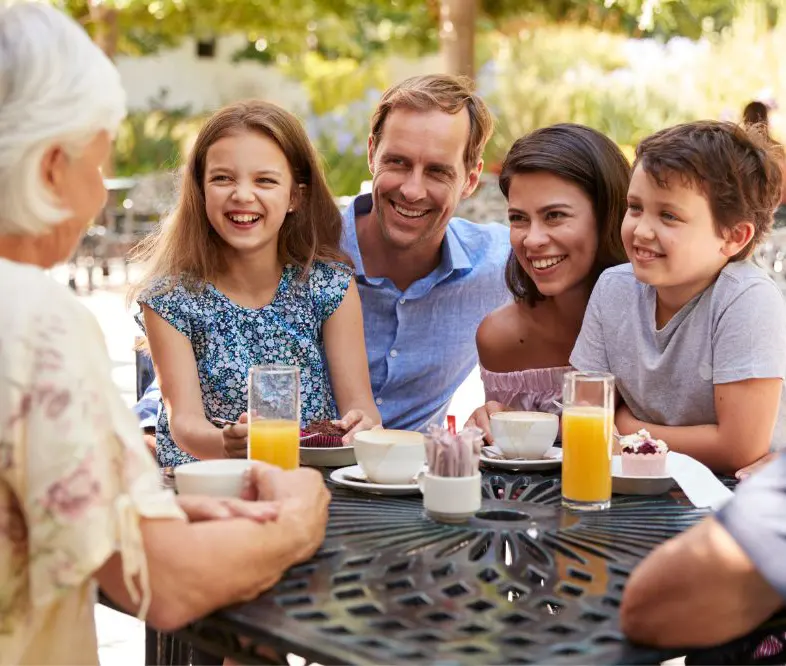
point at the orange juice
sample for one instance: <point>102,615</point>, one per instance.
<point>275,441</point>
<point>586,454</point>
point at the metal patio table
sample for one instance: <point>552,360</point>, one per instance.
<point>522,582</point>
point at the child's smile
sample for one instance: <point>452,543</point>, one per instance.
<point>243,219</point>
<point>645,256</point>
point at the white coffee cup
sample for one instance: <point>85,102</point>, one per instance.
<point>390,457</point>
<point>217,478</point>
<point>524,435</point>
<point>450,499</point>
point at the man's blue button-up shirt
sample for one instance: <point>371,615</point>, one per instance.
<point>421,342</point>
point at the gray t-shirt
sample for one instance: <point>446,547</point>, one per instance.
<point>755,519</point>
<point>732,331</point>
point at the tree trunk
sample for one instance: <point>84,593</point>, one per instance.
<point>457,35</point>
<point>105,36</point>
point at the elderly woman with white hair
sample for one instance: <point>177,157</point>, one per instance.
<point>80,499</point>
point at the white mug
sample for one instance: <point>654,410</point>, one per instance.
<point>218,478</point>
<point>524,435</point>
<point>390,456</point>
<point>450,499</point>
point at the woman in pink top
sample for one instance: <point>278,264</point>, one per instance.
<point>566,188</point>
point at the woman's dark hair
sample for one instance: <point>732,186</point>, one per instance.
<point>755,113</point>
<point>588,159</point>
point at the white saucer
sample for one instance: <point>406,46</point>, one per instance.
<point>352,477</point>
<point>638,485</point>
<point>551,459</point>
<point>327,456</point>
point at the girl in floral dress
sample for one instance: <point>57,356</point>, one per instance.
<point>248,271</point>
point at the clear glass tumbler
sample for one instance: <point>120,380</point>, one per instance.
<point>587,437</point>
<point>274,415</point>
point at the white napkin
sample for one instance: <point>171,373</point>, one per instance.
<point>698,483</point>
<point>491,451</point>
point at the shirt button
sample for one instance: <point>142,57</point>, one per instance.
<point>402,301</point>
<point>378,401</point>
<point>393,353</point>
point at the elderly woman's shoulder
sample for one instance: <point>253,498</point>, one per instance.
<point>25,281</point>
<point>29,294</point>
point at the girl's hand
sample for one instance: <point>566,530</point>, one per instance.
<point>481,418</point>
<point>354,421</point>
<point>235,438</point>
<point>202,507</point>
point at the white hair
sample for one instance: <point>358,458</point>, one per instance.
<point>57,88</point>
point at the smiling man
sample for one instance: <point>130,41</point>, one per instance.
<point>426,278</point>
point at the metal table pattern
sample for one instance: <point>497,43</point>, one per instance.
<point>522,582</point>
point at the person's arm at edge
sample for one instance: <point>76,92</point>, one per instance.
<point>698,589</point>
<point>195,568</point>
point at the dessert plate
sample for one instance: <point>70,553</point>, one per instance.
<point>638,485</point>
<point>353,477</point>
<point>333,456</point>
<point>551,460</point>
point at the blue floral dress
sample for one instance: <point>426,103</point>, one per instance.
<point>228,339</point>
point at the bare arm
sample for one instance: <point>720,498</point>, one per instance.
<point>345,350</point>
<point>699,589</point>
<point>493,355</point>
<point>195,568</point>
<point>178,378</point>
<point>746,411</point>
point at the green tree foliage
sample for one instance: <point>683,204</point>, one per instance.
<point>359,29</point>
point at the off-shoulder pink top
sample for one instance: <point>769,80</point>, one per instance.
<point>528,390</point>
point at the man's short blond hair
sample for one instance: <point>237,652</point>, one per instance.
<point>449,94</point>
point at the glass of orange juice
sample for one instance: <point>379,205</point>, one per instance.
<point>274,415</point>
<point>587,435</point>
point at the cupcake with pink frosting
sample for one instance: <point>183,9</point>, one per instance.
<point>643,455</point>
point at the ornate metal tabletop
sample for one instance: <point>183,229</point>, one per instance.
<point>522,582</point>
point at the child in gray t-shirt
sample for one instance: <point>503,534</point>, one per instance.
<point>695,334</point>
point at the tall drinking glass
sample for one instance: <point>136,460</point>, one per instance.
<point>274,415</point>
<point>587,434</point>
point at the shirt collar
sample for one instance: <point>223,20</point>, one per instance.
<point>359,206</point>
<point>453,255</point>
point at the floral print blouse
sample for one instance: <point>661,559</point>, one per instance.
<point>228,339</point>
<point>75,476</point>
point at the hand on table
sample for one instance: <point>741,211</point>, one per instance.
<point>354,421</point>
<point>301,490</point>
<point>235,438</point>
<point>761,463</point>
<point>202,507</point>
<point>481,418</point>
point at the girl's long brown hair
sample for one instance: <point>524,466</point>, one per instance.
<point>186,246</point>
